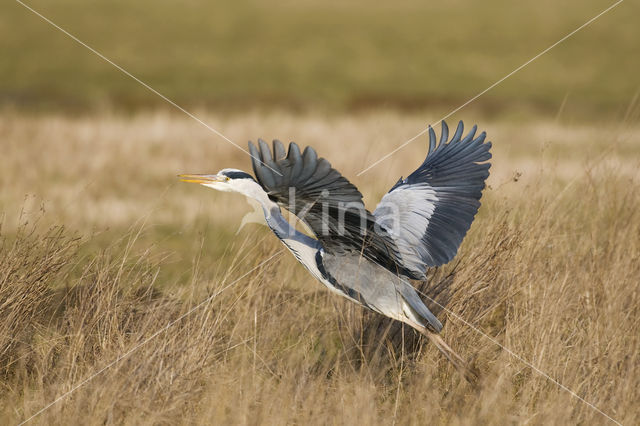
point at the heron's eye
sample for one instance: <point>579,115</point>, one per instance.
<point>227,179</point>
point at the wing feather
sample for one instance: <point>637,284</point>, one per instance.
<point>326,201</point>
<point>429,213</point>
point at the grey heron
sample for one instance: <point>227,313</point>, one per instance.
<point>367,257</point>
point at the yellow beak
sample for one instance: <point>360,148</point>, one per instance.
<point>203,179</point>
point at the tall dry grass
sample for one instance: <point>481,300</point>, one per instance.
<point>151,321</point>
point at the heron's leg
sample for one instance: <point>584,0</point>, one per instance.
<point>468,371</point>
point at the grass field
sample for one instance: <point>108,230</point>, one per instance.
<point>323,55</point>
<point>127,297</point>
<point>107,252</point>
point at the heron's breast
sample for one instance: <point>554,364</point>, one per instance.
<point>305,255</point>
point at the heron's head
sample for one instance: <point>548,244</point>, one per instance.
<point>228,180</point>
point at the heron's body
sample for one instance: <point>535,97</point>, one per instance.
<point>346,275</point>
<point>366,257</point>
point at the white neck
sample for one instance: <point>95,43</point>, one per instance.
<point>281,226</point>
<point>289,235</point>
<point>303,247</point>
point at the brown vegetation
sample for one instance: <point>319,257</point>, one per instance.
<point>159,313</point>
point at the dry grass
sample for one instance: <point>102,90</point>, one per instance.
<point>549,270</point>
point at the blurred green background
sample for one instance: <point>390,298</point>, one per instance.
<point>327,55</point>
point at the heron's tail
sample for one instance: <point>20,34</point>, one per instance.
<point>468,371</point>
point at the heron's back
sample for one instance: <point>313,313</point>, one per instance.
<point>377,288</point>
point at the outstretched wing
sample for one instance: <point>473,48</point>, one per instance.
<point>320,196</point>
<point>428,213</point>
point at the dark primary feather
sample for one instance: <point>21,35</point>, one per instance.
<point>429,213</point>
<point>324,199</point>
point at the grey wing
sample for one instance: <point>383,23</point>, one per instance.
<point>319,195</point>
<point>376,288</point>
<point>429,213</point>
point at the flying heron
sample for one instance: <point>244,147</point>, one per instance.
<point>369,257</point>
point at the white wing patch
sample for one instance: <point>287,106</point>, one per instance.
<point>429,213</point>
<point>404,213</point>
